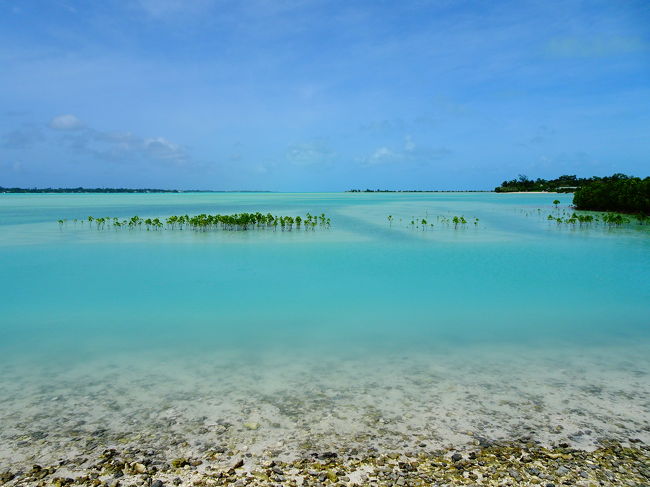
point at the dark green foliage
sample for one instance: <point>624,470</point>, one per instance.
<point>563,184</point>
<point>204,222</point>
<point>619,193</point>
<point>423,223</point>
<point>417,191</point>
<point>575,218</point>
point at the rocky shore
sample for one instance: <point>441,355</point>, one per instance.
<point>495,419</point>
<point>484,463</point>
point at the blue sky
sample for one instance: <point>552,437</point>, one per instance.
<point>321,95</point>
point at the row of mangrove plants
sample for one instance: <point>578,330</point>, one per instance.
<point>423,223</point>
<point>205,222</point>
<point>606,218</point>
<point>609,218</point>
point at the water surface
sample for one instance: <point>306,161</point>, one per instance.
<point>368,332</point>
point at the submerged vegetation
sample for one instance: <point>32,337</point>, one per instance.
<point>425,223</point>
<point>205,222</point>
<point>610,218</point>
<point>570,217</point>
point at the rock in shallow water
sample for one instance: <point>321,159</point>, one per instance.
<point>6,477</point>
<point>562,470</point>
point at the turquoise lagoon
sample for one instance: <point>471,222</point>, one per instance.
<point>512,326</point>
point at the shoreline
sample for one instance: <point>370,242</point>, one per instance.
<point>520,462</point>
<point>120,423</point>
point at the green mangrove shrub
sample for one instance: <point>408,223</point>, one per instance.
<point>206,222</point>
<point>606,218</point>
<point>425,223</point>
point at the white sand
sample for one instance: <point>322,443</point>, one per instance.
<point>283,407</point>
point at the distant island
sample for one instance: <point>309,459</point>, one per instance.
<point>618,193</point>
<point>116,190</point>
<point>418,191</point>
<point>563,184</point>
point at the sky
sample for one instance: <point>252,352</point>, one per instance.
<point>314,95</point>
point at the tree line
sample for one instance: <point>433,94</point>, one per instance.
<point>563,184</point>
<point>620,193</point>
<point>617,193</point>
<point>418,191</point>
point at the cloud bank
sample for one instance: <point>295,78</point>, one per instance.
<point>66,122</point>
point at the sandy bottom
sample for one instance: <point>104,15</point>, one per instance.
<point>278,408</point>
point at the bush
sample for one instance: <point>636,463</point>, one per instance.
<point>620,193</point>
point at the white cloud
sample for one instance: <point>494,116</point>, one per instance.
<point>383,155</point>
<point>261,169</point>
<point>310,153</point>
<point>409,153</point>
<point>124,146</point>
<point>24,137</point>
<point>163,148</point>
<point>66,122</point>
<point>409,145</point>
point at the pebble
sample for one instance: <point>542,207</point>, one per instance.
<point>562,471</point>
<point>617,463</point>
<point>514,474</point>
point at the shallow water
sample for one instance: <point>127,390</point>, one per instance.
<point>368,332</point>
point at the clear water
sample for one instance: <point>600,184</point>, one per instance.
<point>514,277</point>
<point>364,290</point>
